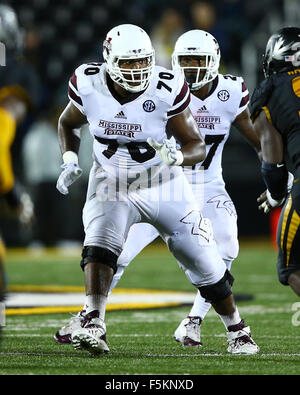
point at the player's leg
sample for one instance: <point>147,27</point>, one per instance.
<point>139,236</point>
<point>219,208</point>
<point>294,281</point>
<point>288,241</point>
<point>189,238</point>
<point>107,220</point>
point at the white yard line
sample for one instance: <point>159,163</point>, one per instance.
<point>198,355</point>
<point>146,335</point>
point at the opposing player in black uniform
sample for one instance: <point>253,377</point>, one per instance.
<point>275,108</point>
<point>18,94</point>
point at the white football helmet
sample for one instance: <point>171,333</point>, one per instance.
<point>125,42</point>
<point>198,43</point>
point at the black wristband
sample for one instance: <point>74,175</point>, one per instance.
<point>275,176</point>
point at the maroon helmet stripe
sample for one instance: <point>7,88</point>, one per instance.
<point>73,80</point>
<point>73,96</point>
<point>182,94</point>
<point>244,100</point>
<point>244,87</point>
<point>180,108</point>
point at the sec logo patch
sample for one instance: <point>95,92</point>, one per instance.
<point>148,106</point>
<point>223,95</point>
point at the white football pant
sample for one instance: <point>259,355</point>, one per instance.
<point>169,206</point>
<point>219,208</point>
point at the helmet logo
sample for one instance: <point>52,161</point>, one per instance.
<point>223,95</point>
<point>217,46</point>
<point>279,50</point>
<point>107,45</point>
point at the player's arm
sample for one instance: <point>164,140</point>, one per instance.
<point>185,130</point>
<point>244,125</point>
<point>69,124</point>
<point>274,171</point>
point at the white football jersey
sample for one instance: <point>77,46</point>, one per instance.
<point>121,129</point>
<point>214,115</point>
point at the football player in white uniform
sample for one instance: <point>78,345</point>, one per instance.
<point>130,105</point>
<point>217,102</point>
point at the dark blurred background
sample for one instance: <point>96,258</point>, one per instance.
<point>61,35</point>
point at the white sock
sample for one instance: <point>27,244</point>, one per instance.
<point>85,303</point>
<point>96,302</point>
<point>233,319</point>
<point>200,307</point>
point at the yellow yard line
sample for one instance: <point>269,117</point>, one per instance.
<point>80,289</point>
<point>46,288</point>
<point>70,309</point>
<point>66,252</point>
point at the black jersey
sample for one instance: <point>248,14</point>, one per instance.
<point>279,97</point>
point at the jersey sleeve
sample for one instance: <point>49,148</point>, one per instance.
<point>73,93</point>
<point>182,99</point>
<point>244,97</point>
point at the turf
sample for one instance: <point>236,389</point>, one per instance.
<point>141,341</point>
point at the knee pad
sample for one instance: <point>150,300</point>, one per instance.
<point>98,254</point>
<point>219,291</point>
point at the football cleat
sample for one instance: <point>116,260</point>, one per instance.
<point>241,342</point>
<point>63,336</point>
<point>188,332</point>
<point>91,336</point>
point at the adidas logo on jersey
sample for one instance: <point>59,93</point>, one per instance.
<point>121,115</point>
<point>202,109</point>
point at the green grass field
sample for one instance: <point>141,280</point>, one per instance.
<point>141,341</point>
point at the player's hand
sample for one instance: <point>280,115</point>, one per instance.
<point>69,175</point>
<point>167,152</point>
<point>267,203</point>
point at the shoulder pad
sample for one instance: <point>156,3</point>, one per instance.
<point>260,97</point>
<point>170,87</point>
<point>85,75</point>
